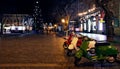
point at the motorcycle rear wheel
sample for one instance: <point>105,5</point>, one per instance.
<point>110,59</point>
<point>118,58</point>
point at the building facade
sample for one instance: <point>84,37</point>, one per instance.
<point>16,20</point>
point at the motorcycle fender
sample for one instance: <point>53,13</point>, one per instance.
<point>79,53</point>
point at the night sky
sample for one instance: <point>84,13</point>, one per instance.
<point>26,6</point>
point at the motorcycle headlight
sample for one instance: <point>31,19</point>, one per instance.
<point>109,47</point>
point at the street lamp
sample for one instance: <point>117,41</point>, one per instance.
<point>65,26</point>
<point>37,2</point>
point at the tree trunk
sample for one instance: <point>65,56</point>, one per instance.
<point>109,27</point>
<point>1,25</point>
<point>108,18</point>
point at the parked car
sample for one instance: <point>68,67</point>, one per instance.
<point>6,29</point>
<point>17,29</point>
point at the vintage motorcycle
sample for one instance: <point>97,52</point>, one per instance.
<point>71,46</point>
<point>102,51</point>
<point>70,39</point>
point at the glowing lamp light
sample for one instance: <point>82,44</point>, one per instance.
<point>37,2</point>
<point>80,14</point>
<point>55,25</point>
<point>63,20</point>
<point>101,20</point>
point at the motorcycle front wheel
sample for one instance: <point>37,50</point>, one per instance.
<point>65,46</point>
<point>76,61</point>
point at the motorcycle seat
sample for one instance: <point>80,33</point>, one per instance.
<point>102,44</point>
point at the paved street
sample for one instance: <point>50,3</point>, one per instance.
<point>39,52</point>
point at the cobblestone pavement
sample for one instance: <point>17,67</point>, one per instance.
<point>38,52</point>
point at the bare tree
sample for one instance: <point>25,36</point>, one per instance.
<point>63,10</point>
